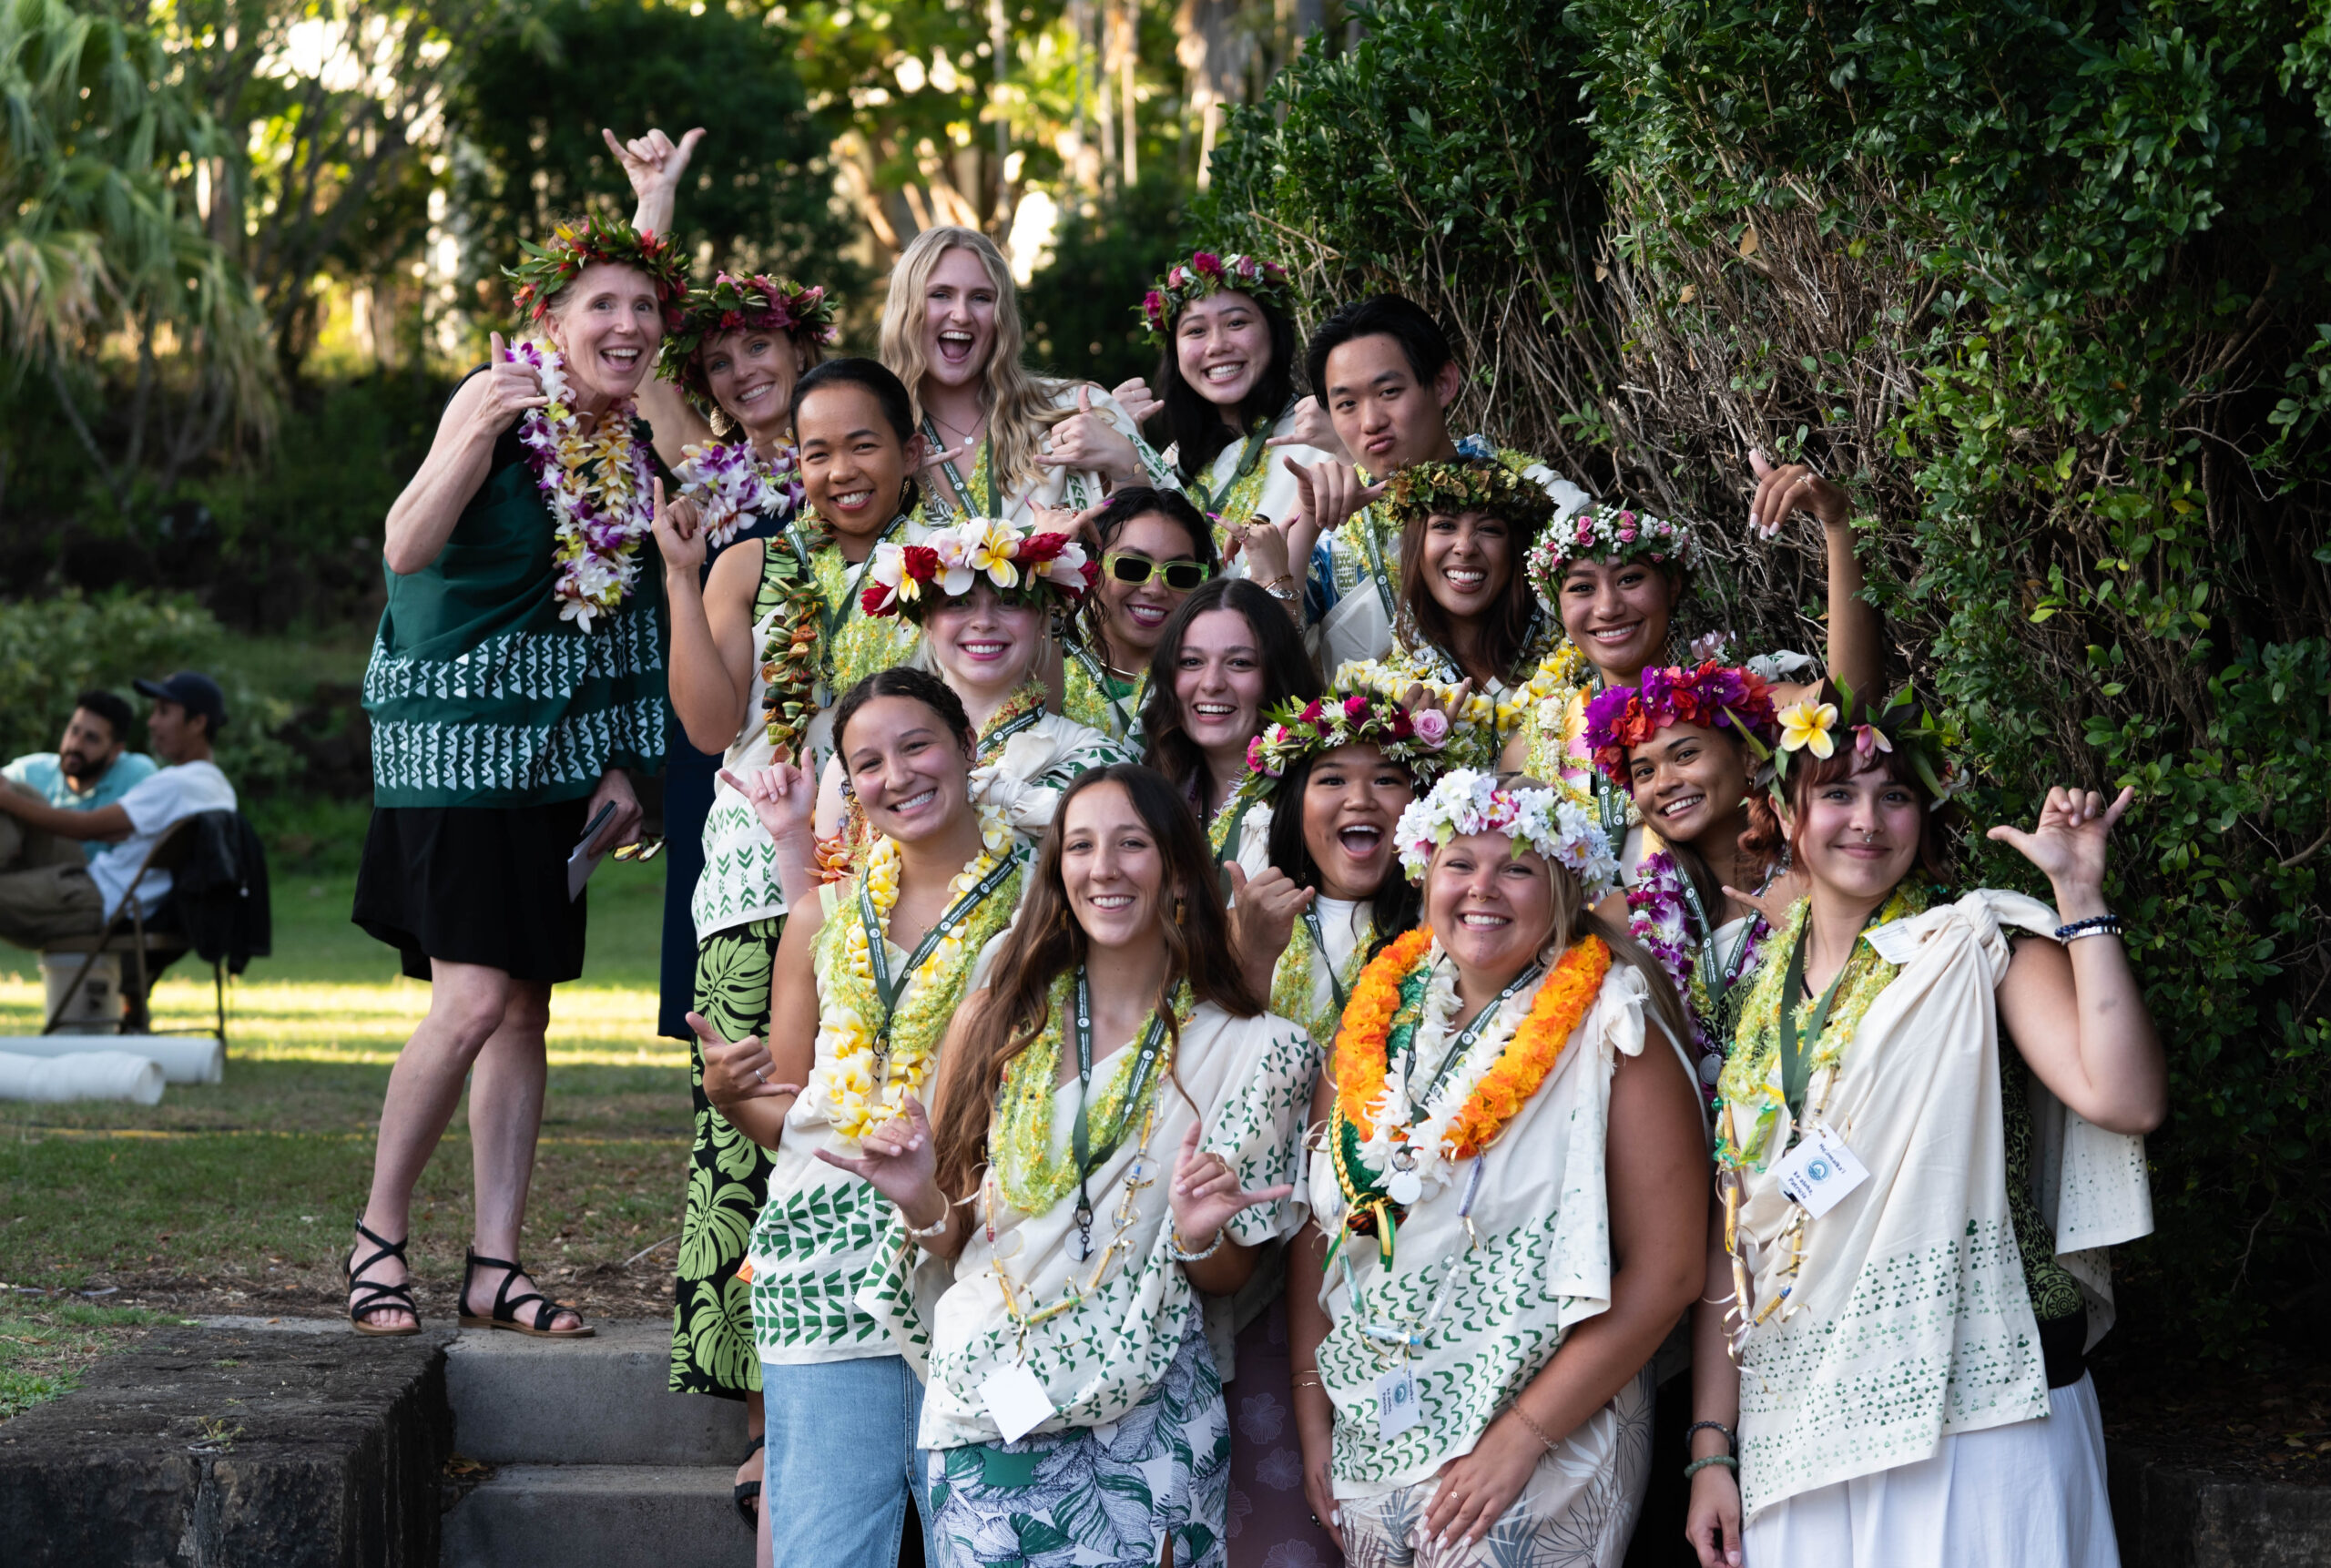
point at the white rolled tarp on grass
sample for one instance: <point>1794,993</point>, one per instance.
<point>83,1076</point>
<point>184,1058</point>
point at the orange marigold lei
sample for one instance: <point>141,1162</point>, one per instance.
<point>1363,1044</point>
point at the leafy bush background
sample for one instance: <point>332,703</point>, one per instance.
<point>2047,284</point>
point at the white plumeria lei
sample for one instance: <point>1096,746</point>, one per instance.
<point>1534,818</point>
<point>850,1088</point>
<point>1394,1119</point>
<point>730,481</point>
<point>599,486</point>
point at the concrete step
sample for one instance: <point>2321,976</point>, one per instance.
<point>574,1516</point>
<point>601,1401</point>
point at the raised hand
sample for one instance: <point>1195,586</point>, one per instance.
<point>781,797</point>
<point>1263,911</point>
<point>1327,494</point>
<point>679,539</point>
<point>1206,1194</point>
<point>1774,902</point>
<point>654,165</point>
<point>737,1070</point>
<point>1312,428</point>
<point>1792,488</point>
<point>512,387</point>
<point>1133,397</point>
<point>1068,520</point>
<point>2068,843</point>
<point>1087,440</point>
<point>898,1160</point>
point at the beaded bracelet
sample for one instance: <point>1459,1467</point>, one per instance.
<point>1698,1465</point>
<point>1730,1441</point>
<point>1535,1429</point>
<point>2094,925</point>
<point>1173,1245</point>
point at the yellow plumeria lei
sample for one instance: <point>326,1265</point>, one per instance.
<point>1020,1138</point>
<point>1750,1098</point>
<point>1553,712</point>
<point>857,1087</point>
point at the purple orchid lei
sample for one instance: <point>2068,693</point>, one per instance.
<point>1659,917</point>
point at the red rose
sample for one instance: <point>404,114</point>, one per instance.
<point>1041,548</point>
<point>921,562</point>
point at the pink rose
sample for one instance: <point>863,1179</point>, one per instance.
<point>1431,727</point>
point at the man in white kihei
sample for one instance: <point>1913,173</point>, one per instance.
<point>47,903</point>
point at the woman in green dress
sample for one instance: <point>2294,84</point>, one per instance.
<point>518,671</point>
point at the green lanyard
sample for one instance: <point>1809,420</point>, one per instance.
<point>994,739</point>
<point>1319,946</point>
<point>963,491</point>
<point>1089,1159</point>
<point>1796,1069</point>
<point>1250,457</point>
<point>834,617</point>
<point>878,944</point>
<point>1102,684</point>
<point>1716,976</point>
<point>1464,1042</point>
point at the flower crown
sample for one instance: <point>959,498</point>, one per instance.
<point>1817,727</point>
<point>543,270</point>
<point>1610,535</point>
<point>1346,716</point>
<point>1533,816</point>
<point>1474,481</point>
<point>1206,274</point>
<point>757,304</point>
<point>1711,695</point>
<point>1019,562</point>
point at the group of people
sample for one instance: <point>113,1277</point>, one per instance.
<point>1263,1001</point>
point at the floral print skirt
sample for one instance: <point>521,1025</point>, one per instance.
<point>712,1309</point>
<point>1096,1497</point>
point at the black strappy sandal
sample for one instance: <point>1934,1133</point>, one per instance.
<point>749,1492</point>
<point>376,1296</point>
<point>505,1305</point>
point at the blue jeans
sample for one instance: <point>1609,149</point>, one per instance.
<point>841,1461</point>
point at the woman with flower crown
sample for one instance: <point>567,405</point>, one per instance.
<point>1116,1132</point>
<point>1336,771</point>
<point>1615,578</point>
<point>984,594</point>
<point>1509,1210</point>
<point>1922,1109</point>
<point>1468,631</point>
<point>773,628</point>
<point>1242,438</point>
<point>866,981</point>
<point>1154,548</point>
<point>517,672</point>
<point>1002,440</point>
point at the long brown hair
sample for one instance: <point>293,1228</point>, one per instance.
<point>1288,676</point>
<point>1505,628</point>
<point>1046,943</point>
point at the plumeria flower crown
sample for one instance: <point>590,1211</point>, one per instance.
<point>757,304</point>
<point>1817,727</point>
<point>1610,535</point>
<point>1021,565</point>
<point>1474,480</point>
<point>1711,695</point>
<point>545,269</point>
<point>1533,816</point>
<point>1204,274</point>
<point>1346,716</point>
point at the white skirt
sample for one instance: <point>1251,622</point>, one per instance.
<point>2029,1495</point>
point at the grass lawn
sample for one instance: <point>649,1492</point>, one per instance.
<point>238,1198</point>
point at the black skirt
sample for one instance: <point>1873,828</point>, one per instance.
<point>475,884</point>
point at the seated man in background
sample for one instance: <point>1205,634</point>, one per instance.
<point>41,904</point>
<point>91,766</point>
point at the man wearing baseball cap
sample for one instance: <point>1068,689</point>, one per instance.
<point>49,902</point>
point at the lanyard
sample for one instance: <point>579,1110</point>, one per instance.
<point>1409,1342</point>
<point>963,491</point>
<point>1319,946</point>
<point>836,616</point>
<point>1099,679</point>
<point>1716,975</point>
<point>1464,1042</point>
<point>1796,1071</point>
<point>1088,1159</point>
<point>992,741</point>
<point>878,945</point>
<point>1250,456</point>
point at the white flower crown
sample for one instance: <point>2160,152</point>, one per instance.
<point>1535,816</point>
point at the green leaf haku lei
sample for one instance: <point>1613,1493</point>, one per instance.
<point>1020,1138</point>
<point>1747,1086</point>
<point>1291,983</point>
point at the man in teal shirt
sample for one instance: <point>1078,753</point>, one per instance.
<point>90,769</point>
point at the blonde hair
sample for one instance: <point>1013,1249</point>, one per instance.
<point>1018,403</point>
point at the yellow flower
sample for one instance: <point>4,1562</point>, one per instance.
<point>992,551</point>
<point>1806,727</point>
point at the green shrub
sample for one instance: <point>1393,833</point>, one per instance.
<point>2046,285</point>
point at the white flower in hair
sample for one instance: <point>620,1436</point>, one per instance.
<point>1535,816</point>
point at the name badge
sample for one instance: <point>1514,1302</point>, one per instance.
<point>1016,1401</point>
<point>1396,1403</point>
<point>1821,1171</point>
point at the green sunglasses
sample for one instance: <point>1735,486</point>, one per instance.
<point>1132,566</point>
